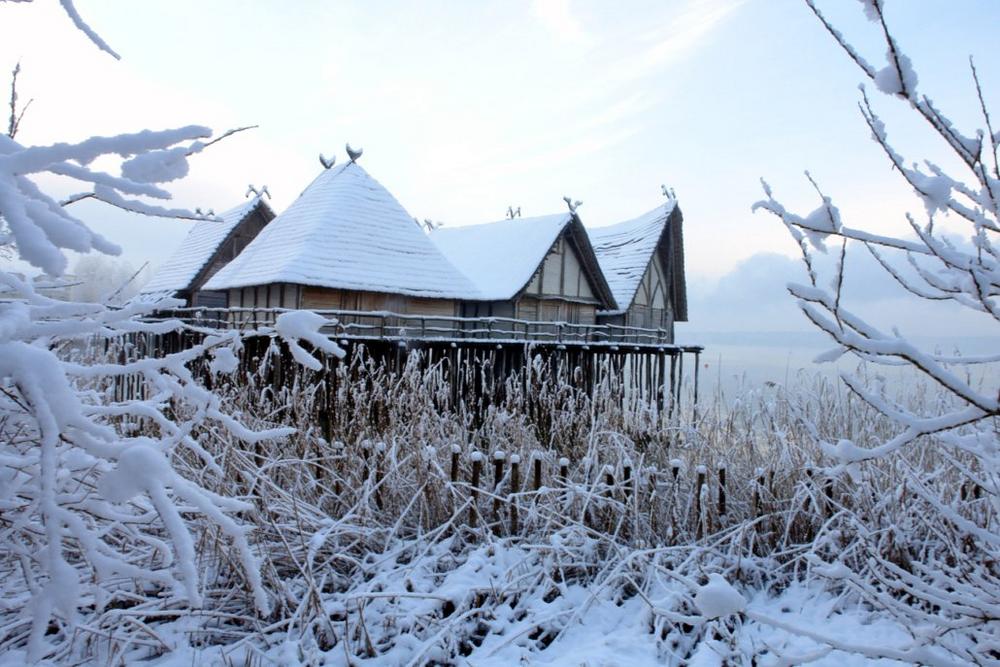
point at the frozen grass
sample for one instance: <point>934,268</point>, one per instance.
<point>376,549</point>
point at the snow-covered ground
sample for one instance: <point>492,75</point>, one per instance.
<point>399,610</point>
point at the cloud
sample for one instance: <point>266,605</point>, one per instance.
<point>753,297</point>
<point>680,35</point>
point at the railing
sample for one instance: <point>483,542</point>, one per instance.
<point>389,326</point>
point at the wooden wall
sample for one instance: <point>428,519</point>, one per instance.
<point>560,291</point>
<point>240,238</point>
<point>323,298</point>
<point>651,307</point>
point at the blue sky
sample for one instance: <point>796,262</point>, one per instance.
<point>466,107</point>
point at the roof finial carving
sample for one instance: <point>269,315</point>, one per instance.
<point>573,205</point>
<point>354,154</point>
<point>327,163</point>
<point>668,192</point>
<point>258,193</point>
<point>513,212</point>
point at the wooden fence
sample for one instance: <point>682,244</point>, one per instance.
<point>511,495</point>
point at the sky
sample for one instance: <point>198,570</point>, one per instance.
<point>464,108</point>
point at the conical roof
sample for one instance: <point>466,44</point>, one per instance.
<point>346,231</point>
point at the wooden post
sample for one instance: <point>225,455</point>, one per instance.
<point>455,451</point>
<point>609,481</point>
<point>828,492</point>
<point>702,471</point>
<point>651,474</point>
<point>758,488</point>
<point>809,487</point>
<point>536,462</point>
<point>477,469</point>
<point>680,382</point>
<point>515,486</point>
<point>722,489</point>
<point>672,405</point>
<point>498,459</point>
<point>694,405</point>
<point>379,456</point>
<point>564,470</point>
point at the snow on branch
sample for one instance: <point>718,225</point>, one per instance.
<point>78,21</point>
<point>959,424</point>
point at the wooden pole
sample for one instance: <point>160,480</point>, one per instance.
<point>702,471</point>
<point>455,451</point>
<point>498,459</point>
<point>536,462</point>
<point>722,489</point>
<point>477,470</point>
<point>758,489</point>
<point>515,486</point>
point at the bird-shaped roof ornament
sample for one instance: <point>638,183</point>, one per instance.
<point>668,192</point>
<point>354,154</point>
<point>573,205</point>
<point>327,163</point>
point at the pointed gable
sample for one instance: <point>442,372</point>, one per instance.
<point>504,258</point>
<point>346,231</point>
<point>626,250</point>
<point>198,251</point>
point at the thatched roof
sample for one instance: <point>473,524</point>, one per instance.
<point>346,231</point>
<point>501,257</point>
<point>626,249</point>
<point>181,272</point>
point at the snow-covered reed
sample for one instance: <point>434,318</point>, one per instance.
<point>380,542</point>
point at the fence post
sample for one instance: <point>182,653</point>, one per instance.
<point>498,459</point>
<point>455,451</point>
<point>609,481</point>
<point>828,492</point>
<point>722,490</point>
<point>700,486</point>
<point>757,489</point>
<point>515,486</point>
<point>379,456</point>
<point>477,469</point>
<point>564,470</point>
<point>809,488</point>
<point>651,475</point>
<point>536,465</point>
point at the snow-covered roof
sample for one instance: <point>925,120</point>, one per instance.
<point>501,257</point>
<point>197,249</point>
<point>625,249</point>
<point>346,231</point>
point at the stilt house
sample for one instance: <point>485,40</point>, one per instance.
<point>537,269</point>
<point>209,246</point>
<point>643,261</point>
<point>346,244</point>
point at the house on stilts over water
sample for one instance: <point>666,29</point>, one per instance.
<point>349,250</point>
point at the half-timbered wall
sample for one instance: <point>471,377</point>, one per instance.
<point>651,307</point>
<point>560,290</point>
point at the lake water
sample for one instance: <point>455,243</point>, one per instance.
<point>748,359</point>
